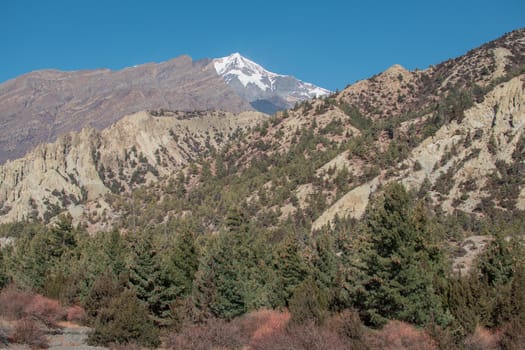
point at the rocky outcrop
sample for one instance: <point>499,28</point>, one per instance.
<point>463,166</point>
<point>83,166</point>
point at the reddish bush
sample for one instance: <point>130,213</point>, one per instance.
<point>263,323</point>
<point>483,339</point>
<point>444,338</point>
<point>16,304</point>
<point>307,336</point>
<point>398,335</point>
<point>75,314</point>
<point>27,331</point>
<point>349,326</point>
<point>214,334</point>
<point>13,302</point>
<point>47,310</point>
<point>513,336</point>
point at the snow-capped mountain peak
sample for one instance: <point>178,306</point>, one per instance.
<point>256,84</point>
<point>246,71</point>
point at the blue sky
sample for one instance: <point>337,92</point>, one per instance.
<point>329,43</point>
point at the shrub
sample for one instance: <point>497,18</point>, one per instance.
<point>444,337</point>
<point>513,336</point>
<point>215,333</point>
<point>16,304</point>
<point>13,302</point>
<point>306,336</point>
<point>27,331</point>
<point>3,336</point>
<point>483,339</point>
<point>125,320</point>
<point>349,327</point>
<point>99,297</point>
<point>263,323</point>
<point>47,310</point>
<point>126,346</point>
<point>76,314</point>
<point>400,335</point>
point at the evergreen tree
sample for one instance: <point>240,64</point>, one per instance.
<point>308,303</point>
<point>233,273</point>
<point>499,261</point>
<point>114,249</point>
<point>123,321</point>
<point>3,273</point>
<point>33,261</point>
<point>290,267</point>
<point>184,262</point>
<point>61,238</point>
<point>151,281</point>
<point>104,290</point>
<point>498,281</point>
<point>218,285</point>
<point>325,263</point>
<point>401,266</point>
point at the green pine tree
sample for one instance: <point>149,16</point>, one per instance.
<point>233,274</point>
<point>218,289</point>
<point>184,262</point>
<point>402,268</point>
<point>149,278</point>
<point>308,303</point>
<point>325,264</point>
<point>60,239</point>
<point>290,268</point>
<point>4,279</point>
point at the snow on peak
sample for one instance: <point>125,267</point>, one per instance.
<point>253,82</point>
<point>237,66</point>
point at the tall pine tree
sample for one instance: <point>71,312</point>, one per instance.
<point>150,279</point>
<point>401,266</point>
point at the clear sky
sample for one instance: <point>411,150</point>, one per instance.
<point>330,43</point>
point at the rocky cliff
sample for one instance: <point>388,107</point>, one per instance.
<point>83,166</point>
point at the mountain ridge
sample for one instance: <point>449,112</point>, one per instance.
<point>39,106</point>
